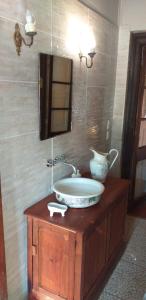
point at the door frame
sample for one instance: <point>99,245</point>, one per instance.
<point>3,279</point>
<point>137,41</point>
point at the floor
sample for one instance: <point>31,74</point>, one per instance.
<point>128,281</point>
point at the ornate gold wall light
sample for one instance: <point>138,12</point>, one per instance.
<point>30,30</point>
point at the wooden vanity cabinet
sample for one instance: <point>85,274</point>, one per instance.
<point>94,255</point>
<point>69,258</point>
<point>116,226</point>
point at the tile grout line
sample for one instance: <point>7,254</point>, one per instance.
<point>19,135</point>
<point>20,22</point>
<point>18,81</point>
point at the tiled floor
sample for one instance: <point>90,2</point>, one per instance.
<point>128,281</point>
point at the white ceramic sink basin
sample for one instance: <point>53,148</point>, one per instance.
<point>78,192</point>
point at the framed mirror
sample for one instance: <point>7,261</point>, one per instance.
<point>55,95</point>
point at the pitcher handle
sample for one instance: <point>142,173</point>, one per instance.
<point>115,158</point>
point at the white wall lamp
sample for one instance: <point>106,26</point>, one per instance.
<point>30,30</point>
<point>91,55</point>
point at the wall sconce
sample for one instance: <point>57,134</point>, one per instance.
<point>30,30</point>
<point>91,55</point>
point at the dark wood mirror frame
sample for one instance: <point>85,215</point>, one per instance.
<point>55,95</point>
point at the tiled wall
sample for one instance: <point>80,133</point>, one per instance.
<point>109,9</point>
<point>120,92</point>
<point>24,175</point>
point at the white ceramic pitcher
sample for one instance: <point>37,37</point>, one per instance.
<point>100,165</point>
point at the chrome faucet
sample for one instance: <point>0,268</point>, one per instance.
<point>76,172</point>
<point>61,159</point>
<point>73,167</point>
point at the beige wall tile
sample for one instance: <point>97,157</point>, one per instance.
<point>119,101</point>
<point>105,34</point>
<point>19,106</point>
<point>14,10</point>
<point>99,75</point>
<point>108,8</point>
<point>120,91</point>
<point>42,11</point>
<point>25,67</point>
<point>117,127</point>
<point>15,68</point>
<point>63,12</point>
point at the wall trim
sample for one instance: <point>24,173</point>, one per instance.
<point>3,280</point>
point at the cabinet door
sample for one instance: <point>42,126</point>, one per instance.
<point>53,268</point>
<point>94,255</point>
<point>116,226</point>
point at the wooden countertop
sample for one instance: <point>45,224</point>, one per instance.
<point>79,219</point>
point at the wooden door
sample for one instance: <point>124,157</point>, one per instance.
<point>94,255</point>
<point>53,266</point>
<point>116,227</point>
<point>139,180</point>
<point>3,283</point>
<point>134,131</point>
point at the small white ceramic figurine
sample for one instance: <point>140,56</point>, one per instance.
<point>54,207</point>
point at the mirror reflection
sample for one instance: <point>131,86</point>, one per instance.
<point>55,95</point>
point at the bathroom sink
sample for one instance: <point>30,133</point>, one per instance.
<point>78,192</point>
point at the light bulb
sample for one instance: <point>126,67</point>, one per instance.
<point>30,26</point>
<point>29,17</point>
